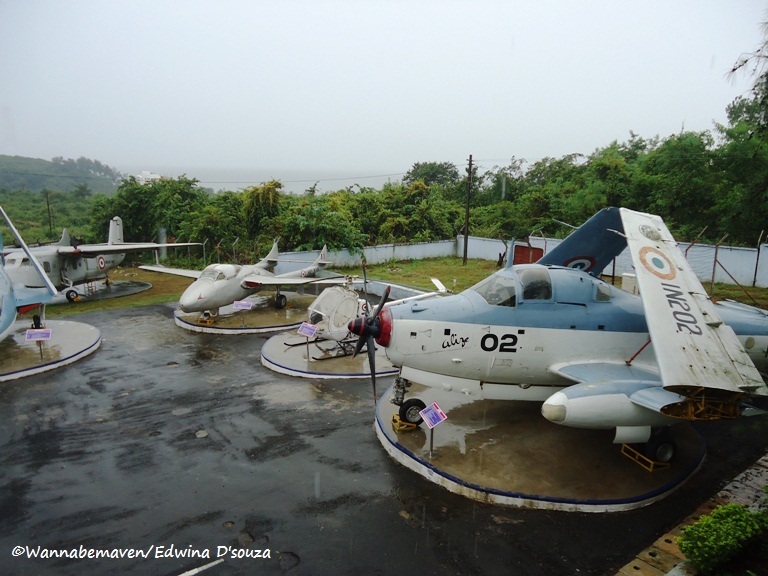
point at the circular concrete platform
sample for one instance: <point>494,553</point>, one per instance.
<point>290,354</point>
<point>507,453</point>
<point>262,317</point>
<point>99,290</point>
<point>69,341</point>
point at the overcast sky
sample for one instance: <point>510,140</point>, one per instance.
<point>321,89</point>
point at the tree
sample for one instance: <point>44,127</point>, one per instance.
<point>441,173</point>
<point>261,203</point>
<point>311,223</point>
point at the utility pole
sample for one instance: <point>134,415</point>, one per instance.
<point>466,213</point>
<point>50,217</point>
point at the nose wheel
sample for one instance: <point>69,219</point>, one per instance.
<point>409,411</point>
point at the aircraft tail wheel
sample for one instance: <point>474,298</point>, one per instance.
<point>281,301</point>
<point>71,295</point>
<point>409,411</point>
<point>661,447</point>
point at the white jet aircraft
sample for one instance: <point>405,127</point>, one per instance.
<point>554,332</point>
<point>223,284</point>
<point>16,298</point>
<point>67,263</point>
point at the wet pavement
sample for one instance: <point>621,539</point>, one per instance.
<point>181,440</point>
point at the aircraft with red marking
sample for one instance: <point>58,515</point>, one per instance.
<point>592,354</point>
<point>220,285</point>
<point>69,263</point>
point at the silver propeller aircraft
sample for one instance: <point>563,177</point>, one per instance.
<point>68,263</point>
<point>223,284</point>
<point>16,298</point>
<point>554,332</point>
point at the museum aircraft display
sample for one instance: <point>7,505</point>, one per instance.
<point>335,307</point>
<point>68,263</point>
<point>220,285</point>
<point>15,298</point>
<point>594,355</point>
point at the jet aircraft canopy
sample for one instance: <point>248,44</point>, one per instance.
<point>220,271</point>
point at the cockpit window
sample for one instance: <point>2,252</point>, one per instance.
<point>497,290</point>
<point>535,283</point>
<point>210,272</point>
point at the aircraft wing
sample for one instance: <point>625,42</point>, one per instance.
<point>256,280</point>
<point>25,296</point>
<point>605,372</point>
<point>96,249</point>
<point>693,348</point>
<point>592,246</point>
<point>175,271</point>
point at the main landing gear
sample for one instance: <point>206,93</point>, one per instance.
<point>660,447</point>
<point>281,301</point>
<point>409,409</point>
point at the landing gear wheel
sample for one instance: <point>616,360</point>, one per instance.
<point>281,301</point>
<point>409,411</point>
<point>71,295</point>
<point>661,447</point>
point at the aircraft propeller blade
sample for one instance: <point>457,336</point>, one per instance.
<point>383,300</point>
<point>372,365</point>
<point>367,329</point>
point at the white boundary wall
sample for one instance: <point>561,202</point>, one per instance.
<point>744,264</point>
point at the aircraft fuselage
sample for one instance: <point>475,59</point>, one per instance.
<point>219,285</point>
<point>63,269</point>
<point>502,338</point>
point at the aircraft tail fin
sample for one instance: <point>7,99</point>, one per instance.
<point>322,260</point>
<point>65,239</point>
<point>116,231</point>
<point>592,246</point>
<point>270,260</point>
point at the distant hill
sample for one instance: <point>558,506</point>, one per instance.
<point>59,174</point>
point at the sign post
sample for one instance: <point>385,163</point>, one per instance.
<point>308,331</point>
<point>242,305</point>
<point>432,415</point>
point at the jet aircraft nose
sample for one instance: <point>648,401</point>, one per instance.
<point>197,297</point>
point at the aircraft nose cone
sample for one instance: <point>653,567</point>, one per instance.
<point>196,298</point>
<point>554,408</point>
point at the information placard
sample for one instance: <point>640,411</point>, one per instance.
<point>433,415</point>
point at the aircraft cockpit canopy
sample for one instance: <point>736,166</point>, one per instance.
<point>220,271</point>
<point>497,289</point>
<point>505,288</point>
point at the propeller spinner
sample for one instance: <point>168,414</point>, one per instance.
<point>368,329</point>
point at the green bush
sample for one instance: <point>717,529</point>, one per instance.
<point>716,538</point>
